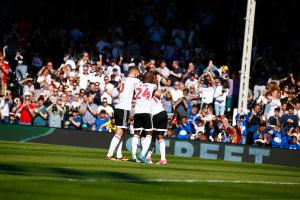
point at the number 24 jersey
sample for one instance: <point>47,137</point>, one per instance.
<point>143,96</point>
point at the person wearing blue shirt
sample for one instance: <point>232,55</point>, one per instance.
<point>259,134</point>
<point>279,138</point>
<point>193,110</point>
<point>100,123</point>
<point>184,129</point>
<point>253,123</point>
<point>242,120</point>
<point>293,144</point>
<point>75,120</point>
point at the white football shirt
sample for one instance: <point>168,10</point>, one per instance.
<point>143,96</point>
<point>156,106</point>
<point>126,91</point>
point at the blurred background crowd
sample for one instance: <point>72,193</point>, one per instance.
<point>61,65</point>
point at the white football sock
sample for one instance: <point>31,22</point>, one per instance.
<point>151,150</point>
<point>147,142</point>
<point>162,148</point>
<point>113,145</point>
<point>119,150</point>
<point>142,142</point>
<point>134,144</point>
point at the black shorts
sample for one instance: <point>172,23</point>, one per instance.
<point>143,121</point>
<point>160,122</point>
<point>122,117</point>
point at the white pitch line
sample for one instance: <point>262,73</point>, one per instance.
<point>183,181</point>
<point>163,180</point>
<point>218,181</point>
<point>38,136</point>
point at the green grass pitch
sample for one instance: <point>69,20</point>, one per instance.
<point>39,171</point>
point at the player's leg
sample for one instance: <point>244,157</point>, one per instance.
<point>119,152</point>
<point>135,139</point>
<point>148,127</point>
<point>151,149</point>
<point>114,143</point>
<point>162,148</point>
<point>134,144</point>
<point>161,129</point>
<point>147,142</point>
<point>121,117</point>
<point>155,120</point>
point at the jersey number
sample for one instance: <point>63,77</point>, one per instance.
<point>142,93</point>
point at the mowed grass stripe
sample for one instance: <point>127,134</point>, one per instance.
<point>39,171</point>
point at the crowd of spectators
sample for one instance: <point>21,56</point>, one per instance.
<point>76,85</point>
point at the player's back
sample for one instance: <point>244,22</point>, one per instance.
<point>156,106</point>
<point>143,96</point>
<point>126,90</point>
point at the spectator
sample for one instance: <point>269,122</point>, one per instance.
<point>44,76</point>
<point>28,86</point>
<point>111,125</point>
<point>5,104</point>
<point>193,96</point>
<point>4,73</point>
<point>84,77</point>
<point>275,120</point>
<point>199,129</point>
<point>21,69</point>
<point>293,144</point>
<point>207,94</point>
<point>55,113</point>
<point>289,120</point>
<point>279,138</point>
<point>242,124</point>
<point>191,70</point>
<point>176,73</point>
<point>168,104</point>
<point>26,111</point>
<point>220,94</point>
<point>89,113</point>
<point>181,105</point>
<point>191,81</point>
<point>183,130</point>
<point>75,120</point>
<point>109,110</point>
<point>163,70</point>
<point>253,124</point>
<point>101,122</point>
<point>40,113</point>
<point>176,92</point>
<point>106,90</point>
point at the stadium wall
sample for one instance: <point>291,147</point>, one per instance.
<point>220,151</point>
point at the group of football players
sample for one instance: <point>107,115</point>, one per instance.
<point>150,118</point>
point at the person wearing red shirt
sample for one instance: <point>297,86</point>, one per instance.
<point>4,71</point>
<point>26,110</point>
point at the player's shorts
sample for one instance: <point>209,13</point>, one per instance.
<point>143,121</point>
<point>121,117</point>
<point>160,122</point>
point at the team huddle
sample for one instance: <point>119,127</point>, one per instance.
<point>150,118</point>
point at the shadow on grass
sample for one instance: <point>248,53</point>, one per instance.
<point>70,173</point>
